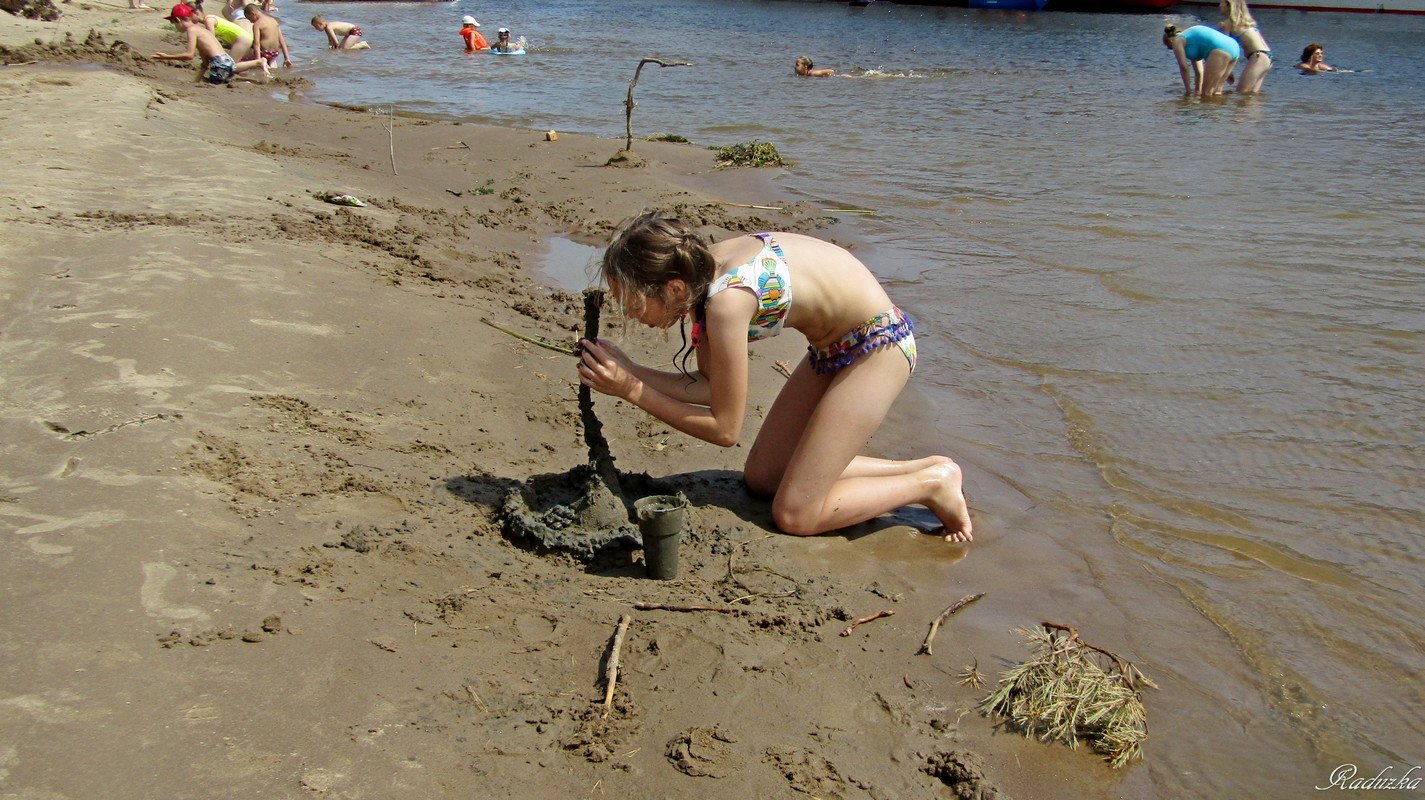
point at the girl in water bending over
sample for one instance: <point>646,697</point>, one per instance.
<point>1205,57</point>
<point>807,456</point>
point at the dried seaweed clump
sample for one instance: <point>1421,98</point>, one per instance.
<point>749,154</point>
<point>1070,690</point>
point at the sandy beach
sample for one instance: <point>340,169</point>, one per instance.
<point>255,446</point>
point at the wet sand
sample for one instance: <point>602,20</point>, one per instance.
<point>255,446</point>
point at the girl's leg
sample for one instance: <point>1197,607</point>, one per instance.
<point>240,50</point>
<point>814,497</point>
<point>782,430</point>
<point>1215,72</point>
<point>256,63</point>
<point>867,467</point>
<point>1254,74</point>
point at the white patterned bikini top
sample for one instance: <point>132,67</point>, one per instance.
<point>766,276</point>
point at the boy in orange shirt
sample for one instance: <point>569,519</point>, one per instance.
<point>470,32</point>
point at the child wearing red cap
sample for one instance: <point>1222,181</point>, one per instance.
<point>217,67</point>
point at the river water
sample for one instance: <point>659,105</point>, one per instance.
<point>1188,338</point>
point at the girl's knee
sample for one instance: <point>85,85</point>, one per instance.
<point>794,519</point>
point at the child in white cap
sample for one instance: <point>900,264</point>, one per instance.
<point>470,32</point>
<point>503,43</point>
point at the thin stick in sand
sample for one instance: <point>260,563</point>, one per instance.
<point>864,620</point>
<point>935,625</point>
<point>669,607</point>
<point>538,341</point>
<point>391,136</point>
<point>611,672</point>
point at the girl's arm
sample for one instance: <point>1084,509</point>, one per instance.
<point>690,388</point>
<point>725,371</point>
<point>1185,67</point>
<point>188,56</point>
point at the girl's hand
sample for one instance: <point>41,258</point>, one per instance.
<point>617,354</point>
<point>605,369</point>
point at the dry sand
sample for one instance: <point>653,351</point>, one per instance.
<point>254,447</point>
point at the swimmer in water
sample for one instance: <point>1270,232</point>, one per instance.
<point>805,69</point>
<point>1312,60</point>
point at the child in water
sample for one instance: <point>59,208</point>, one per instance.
<point>503,43</point>
<point>470,32</point>
<point>803,67</point>
<point>862,351</point>
<point>341,35</point>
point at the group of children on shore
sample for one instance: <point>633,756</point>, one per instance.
<point>224,42</point>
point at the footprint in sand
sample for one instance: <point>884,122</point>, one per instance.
<point>155,579</point>
<point>703,752</point>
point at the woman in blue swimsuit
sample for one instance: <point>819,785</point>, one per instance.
<point>807,455</point>
<point>1205,57</point>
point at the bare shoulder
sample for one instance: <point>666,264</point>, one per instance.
<point>735,250</point>
<point>801,247</point>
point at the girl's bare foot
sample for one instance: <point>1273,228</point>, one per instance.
<point>947,501</point>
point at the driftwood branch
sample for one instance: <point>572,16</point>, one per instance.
<point>611,672</point>
<point>669,607</point>
<point>864,620</point>
<point>628,103</point>
<point>944,615</point>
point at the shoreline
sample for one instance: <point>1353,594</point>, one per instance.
<point>256,446</point>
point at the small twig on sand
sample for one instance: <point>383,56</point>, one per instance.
<point>475,698</point>
<point>391,136</point>
<point>611,672</point>
<point>781,208</point>
<point>935,626</point>
<point>864,620</point>
<point>768,595</point>
<point>459,145</point>
<point>781,366</point>
<point>538,341</point>
<point>668,607</point>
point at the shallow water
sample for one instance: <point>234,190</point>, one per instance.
<point>1180,345</point>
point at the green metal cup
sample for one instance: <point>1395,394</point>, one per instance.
<point>662,519</point>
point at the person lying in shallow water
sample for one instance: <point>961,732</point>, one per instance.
<point>804,68</point>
